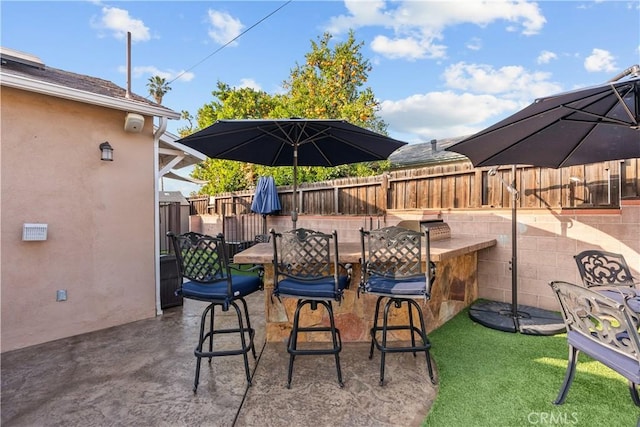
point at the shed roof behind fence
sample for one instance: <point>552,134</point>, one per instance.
<point>425,154</point>
<point>172,197</point>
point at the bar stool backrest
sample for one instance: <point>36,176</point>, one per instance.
<point>201,258</point>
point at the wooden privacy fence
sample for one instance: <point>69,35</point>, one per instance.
<point>452,186</point>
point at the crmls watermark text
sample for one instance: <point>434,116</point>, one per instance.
<point>552,418</point>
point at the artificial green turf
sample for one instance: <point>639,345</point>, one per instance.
<point>494,378</point>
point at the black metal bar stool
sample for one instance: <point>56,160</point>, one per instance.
<point>392,270</point>
<point>204,261</point>
<point>307,268</point>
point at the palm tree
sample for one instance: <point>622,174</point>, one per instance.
<point>158,87</point>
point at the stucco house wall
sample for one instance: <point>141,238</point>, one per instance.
<point>101,240</point>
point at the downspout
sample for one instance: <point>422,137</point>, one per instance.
<point>162,127</point>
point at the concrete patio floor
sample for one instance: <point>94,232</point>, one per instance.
<point>142,374</point>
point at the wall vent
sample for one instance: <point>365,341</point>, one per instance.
<point>34,232</point>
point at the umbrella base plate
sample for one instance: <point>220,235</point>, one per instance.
<point>526,320</point>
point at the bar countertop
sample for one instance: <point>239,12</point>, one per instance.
<point>441,250</point>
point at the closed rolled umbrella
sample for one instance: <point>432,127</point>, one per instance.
<point>265,200</point>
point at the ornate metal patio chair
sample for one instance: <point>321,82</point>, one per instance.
<point>204,261</point>
<point>392,269</point>
<point>601,268</point>
<point>604,329</point>
<point>306,268</point>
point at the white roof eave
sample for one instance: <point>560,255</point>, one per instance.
<point>170,139</point>
<point>128,105</point>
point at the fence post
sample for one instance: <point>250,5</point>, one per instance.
<point>385,191</point>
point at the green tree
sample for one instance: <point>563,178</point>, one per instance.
<point>237,103</point>
<point>224,175</point>
<point>329,85</point>
<point>186,130</point>
<point>158,87</point>
<point>231,103</point>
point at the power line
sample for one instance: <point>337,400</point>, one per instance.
<point>231,41</point>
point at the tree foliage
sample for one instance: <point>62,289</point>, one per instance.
<point>330,84</point>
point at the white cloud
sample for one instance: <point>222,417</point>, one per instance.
<point>474,44</point>
<point>118,22</point>
<point>408,48</point>
<point>421,24</point>
<point>443,114</point>
<point>545,57</point>
<point>480,96</point>
<point>224,27</point>
<point>150,70</point>
<point>249,83</point>
<point>512,82</point>
<point>600,60</point>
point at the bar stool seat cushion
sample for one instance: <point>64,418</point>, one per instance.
<point>320,288</point>
<point>242,286</point>
<point>400,286</point>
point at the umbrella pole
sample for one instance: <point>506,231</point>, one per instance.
<point>294,212</point>
<point>514,248</point>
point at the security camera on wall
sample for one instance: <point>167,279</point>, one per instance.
<point>133,123</point>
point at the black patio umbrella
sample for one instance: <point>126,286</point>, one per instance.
<point>291,142</point>
<point>583,126</point>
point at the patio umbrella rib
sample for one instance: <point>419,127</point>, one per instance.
<point>601,120</point>
<point>229,152</point>
<point>633,118</point>
<point>577,146</point>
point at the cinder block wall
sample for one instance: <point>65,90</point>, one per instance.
<point>546,243</point>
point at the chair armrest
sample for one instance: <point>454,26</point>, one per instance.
<point>348,267</point>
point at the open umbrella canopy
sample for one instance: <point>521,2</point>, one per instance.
<point>584,126</point>
<point>273,142</point>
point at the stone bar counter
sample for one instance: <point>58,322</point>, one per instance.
<point>455,287</point>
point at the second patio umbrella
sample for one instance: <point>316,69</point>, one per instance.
<point>588,125</point>
<point>292,142</point>
<point>583,126</point>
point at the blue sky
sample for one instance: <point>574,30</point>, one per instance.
<point>440,69</point>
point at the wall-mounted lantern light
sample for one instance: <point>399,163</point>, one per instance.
<point>107,152</point>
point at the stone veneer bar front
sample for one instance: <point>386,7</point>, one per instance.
<point>455,287</point>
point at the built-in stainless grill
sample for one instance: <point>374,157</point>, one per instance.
<point>438,229</point>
